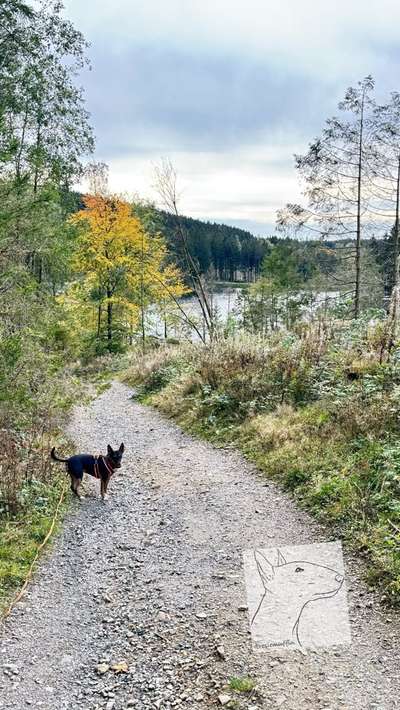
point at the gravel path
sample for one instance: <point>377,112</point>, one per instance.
<point>153,579</point>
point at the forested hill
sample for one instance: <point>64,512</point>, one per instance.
<point>229,253</point>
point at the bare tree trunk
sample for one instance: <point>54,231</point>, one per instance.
<point>37,257</point>
<point>143,327</point>
<point>165,323</point>
<point>142,323</point>
<point>21,146</point>
<point>358,223</point>
<point>38,140</point>
<point>166,187</point>
<point>109,316</point>
<point>394,306</point>
<point>195,277</point>
<point>396,227</point>
<point>98,320</point>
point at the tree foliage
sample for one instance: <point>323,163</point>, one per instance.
<point>226,253</point>
<point>44,124</point>
<point>124,269</point>
<point>44,133</point>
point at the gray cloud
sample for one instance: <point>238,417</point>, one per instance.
<point>228,92</point>
<point>157,100</point>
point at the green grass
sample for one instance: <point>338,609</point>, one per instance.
<point>242,685</point>
<point>21,535</point>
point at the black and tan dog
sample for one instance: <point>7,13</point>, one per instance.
<point>101,467</point>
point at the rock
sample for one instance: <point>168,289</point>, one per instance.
<point>11,668</point>
<point>102,668</point>
<point>224,699</point>
<point>220,651</point>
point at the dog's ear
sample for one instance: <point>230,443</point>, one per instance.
<point>281,559</point>
<point>122,448</point>
<point>265,569</point>
<point>109,450</point>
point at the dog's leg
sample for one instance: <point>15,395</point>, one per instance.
<point>104,485</point>
<point>75,483</point>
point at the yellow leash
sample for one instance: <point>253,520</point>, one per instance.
<point>22,591</point>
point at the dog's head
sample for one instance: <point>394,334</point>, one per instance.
<point>115,456</point>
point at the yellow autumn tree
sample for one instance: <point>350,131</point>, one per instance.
<point>123,269</point>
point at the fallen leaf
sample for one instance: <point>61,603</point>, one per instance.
<point>121,667</point>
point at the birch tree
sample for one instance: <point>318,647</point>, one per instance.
<point>166,186</point>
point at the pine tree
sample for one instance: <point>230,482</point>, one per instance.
<point>335,172</point>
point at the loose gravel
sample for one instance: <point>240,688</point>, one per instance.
<point>141,602</point>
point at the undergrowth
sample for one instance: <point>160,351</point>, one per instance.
<point>318,410</point>
<point>33,409</point>
<point>30,486</point>
<point>22,533</point>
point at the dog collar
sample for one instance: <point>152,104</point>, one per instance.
<point>108,467</point>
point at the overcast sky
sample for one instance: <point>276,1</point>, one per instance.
<point>227,89</point>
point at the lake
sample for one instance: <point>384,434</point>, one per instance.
<point>225,302</point>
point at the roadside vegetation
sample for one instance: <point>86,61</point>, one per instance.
<point>317,409</point>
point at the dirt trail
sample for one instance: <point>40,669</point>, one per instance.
<point>153,579</point>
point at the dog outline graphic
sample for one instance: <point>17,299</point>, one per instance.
<point>293,585</point>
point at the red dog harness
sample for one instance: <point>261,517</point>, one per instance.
<point>105,463</point>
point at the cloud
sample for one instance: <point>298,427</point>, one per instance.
<point>211,186</point>
<point>308,34</point>
<point>163,99</point>
<point>227,90</point>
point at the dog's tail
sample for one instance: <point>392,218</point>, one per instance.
<point>54,457</point>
